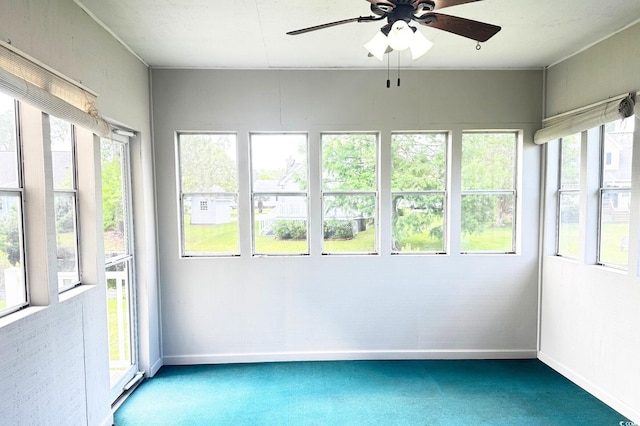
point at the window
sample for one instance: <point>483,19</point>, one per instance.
<point>279,182</point>
<point>119,260</point>
<point>349,192</point>
<point>568,236</point>
<point>13,292</point>
<point>208,177</point>
<point>615,192</point>
<point>65,201</point>
<point>489,162</point>
<point>418,185</point>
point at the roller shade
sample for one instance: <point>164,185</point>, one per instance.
<point>25,79</point>
<point>585,118</point>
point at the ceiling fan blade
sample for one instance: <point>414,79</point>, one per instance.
<point>475,30</point>
<point>333,24</point>
<point>441,4</point>
<point>389,50</point>
<point>384,3</point>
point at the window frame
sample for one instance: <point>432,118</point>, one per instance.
<point>183,254</point>
<point>302,194</point>
<point>19,192</point>
<point>426,193</point>
<point>73,193</point>
<point>375,194</point>
<point>602,191</point>
<point>496,192</point>
<point>564,191</point>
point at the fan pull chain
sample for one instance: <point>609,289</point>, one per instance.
<point>398,69</point>
<point>388,72</point>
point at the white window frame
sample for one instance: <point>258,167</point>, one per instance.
<point>182,195</point>
<point>18,192</point>
<point>255,194</point>
<point>375,194</point>
<point>513,192</point>
<point>444,193</point>
<point>562,192</point>
<point>73,193</point>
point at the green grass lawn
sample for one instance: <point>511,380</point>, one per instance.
<point>112,311</point>
<point>497,239</point>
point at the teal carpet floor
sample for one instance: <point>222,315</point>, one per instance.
<point>515,392</point>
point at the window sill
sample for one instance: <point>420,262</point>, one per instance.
<point>75,292</point>
<point>20,315</point>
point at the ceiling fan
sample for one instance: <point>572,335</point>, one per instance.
<point>400,13</point>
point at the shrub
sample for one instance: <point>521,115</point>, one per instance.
<point>290,229</point>
<point>338,230</point>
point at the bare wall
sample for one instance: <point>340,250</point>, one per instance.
<point>334,307</point>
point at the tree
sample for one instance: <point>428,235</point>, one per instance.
<point>418,165</point>
<point>10,236</point>
<point>206,164</point>
<point>349,165</point>
<point>488,163</point>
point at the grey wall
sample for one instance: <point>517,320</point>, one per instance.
<point>590,317</point>
<point>54,359</point>
<point>332,307</point>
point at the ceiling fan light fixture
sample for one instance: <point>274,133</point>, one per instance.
<point>419,45</point>
<point>400,36</point>
<point>377,46</point>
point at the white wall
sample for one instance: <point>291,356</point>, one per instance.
<point>54,367</point>
<point>333,307</point>
<point>590,317</point>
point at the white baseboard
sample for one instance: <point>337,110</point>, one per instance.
<point>108,421</point>
<point>155,367</point>
<point>613,402</point>
<point>348,356</point>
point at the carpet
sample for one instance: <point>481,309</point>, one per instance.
<point>467,392</point>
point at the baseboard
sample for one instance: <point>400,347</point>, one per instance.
<point>107,421</point>
<point>593,389</point>
<point>155,367</point>
<point>348,356</point>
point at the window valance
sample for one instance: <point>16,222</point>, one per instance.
<point>586,118</point>
<point>26,79</point>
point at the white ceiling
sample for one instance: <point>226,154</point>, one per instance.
<point>251,33</point>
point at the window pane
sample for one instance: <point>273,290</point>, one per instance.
<point>614,228</point>
<point>570,166</point>
<point>12,281</point>
<point>8,143</point>
<point>62,154</point>
<point>349,162</point>
<point>210,224</point>
<point>568,230</point>
<point>280,224</point>
<point>488,161</point>
<point>617,153</point>
<point>118,312</point>
<point>279,162</point>
<point>487,223</point>
<point>418,161</point>
<point>349,223</point>
<point>418,223</point>
<point>114,199</point>
<point>66,240</point>
<point>208,163</point>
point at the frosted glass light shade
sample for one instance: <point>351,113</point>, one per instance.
<point>419,45</point>
<point>377,46</point>
<point>400,36</point>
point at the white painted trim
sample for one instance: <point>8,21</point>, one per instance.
<point>592,388</point>
<point>155,367</point>
<point>107,421</point>
<point>349,356</point>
